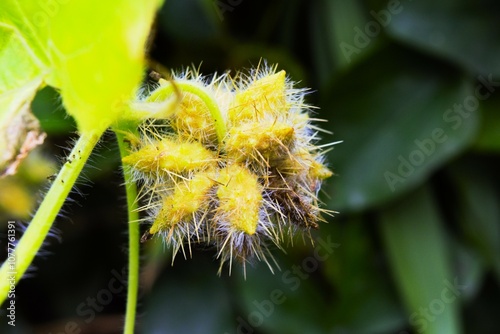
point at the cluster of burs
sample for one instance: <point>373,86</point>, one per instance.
<point>233,164</point>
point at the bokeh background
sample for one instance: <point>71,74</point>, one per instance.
<point>412,90</point>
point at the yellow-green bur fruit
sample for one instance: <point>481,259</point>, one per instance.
<point>265,95</point>
<point>319,171</point>
<point>188,198</point>
<point>170,156</point>
<point>192,120</point>
<point>240,198</point>
<point>259,140</point>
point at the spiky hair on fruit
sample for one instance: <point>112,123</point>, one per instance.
<point>232,163</point>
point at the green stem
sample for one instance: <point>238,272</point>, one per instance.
<point>133,233</point>
<point>39,227</point>
<point>188,87</point>
<point>131,188</point>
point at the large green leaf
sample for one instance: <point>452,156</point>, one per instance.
<point>420,259</point>
<point>100,60</point>
<point>463,31</point>
<point>92,50</point>
<point>23,42</point>
<point>395,115</point>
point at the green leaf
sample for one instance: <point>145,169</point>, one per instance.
<point>287,301</point>
<point>462,31</point>
<point>346,24</point>
<point>100,60</point>
<point>92,50</point>
<point>396,119</point>
<point>488,139</point>
<point>23,37</point>
<point>49,111</point>
<point>420,260</point>
<point>470,267</point>
<point>365,301</point>
<point>23,66</point>
<point>189,298</point>
<point>336,27</point>
<point>477,209</point>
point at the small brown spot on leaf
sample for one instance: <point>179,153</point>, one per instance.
<point>19,134</point>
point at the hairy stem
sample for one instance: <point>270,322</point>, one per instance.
<point>131,188</point>
<point>133,237</point>
<point>39,227</point>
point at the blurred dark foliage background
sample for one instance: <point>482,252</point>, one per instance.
<point>412,90</point>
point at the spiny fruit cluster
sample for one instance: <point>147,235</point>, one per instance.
<point>232,163</point>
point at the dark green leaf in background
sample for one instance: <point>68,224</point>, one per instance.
<point>418,252</point>
<point>271,303</point>
<point>191,301</point>
<point>338,36</point>
<point>470,268</point>
<point>459,30</point>
<point>365,301</point>
<point>47,107</point>
<point>478,209</point>
<point>488,139</point>
<point>399,119</point>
